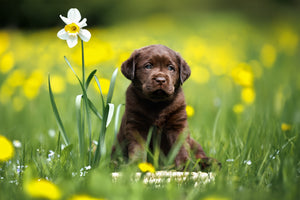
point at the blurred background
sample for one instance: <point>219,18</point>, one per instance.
<point>243,95</point>
<point>42,13</point>
<point>232,46</point>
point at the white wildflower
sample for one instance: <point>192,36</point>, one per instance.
<point>73,28</point>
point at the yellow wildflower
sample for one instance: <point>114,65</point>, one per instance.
<point>7,62</point>
<point>248,95</point>
<point>146,167</point>
<point>288,40</point>
<point>286,127</point>
<point>190,111</point>
<point>268,55</point>
<point>4,41</point>
<point>58,84</point>
<point>42,189</point>
<point>6,92</point>
<point>238,108</point>
<point>84,197</point>
<point>243,75</point>
<point>104,83</point>
<point>32,85</point>
<point>16,78</point>
<point>6,149</point>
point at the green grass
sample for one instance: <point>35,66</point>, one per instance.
<point>259,159</point>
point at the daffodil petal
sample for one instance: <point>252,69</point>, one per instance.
<point>82,23</point>
<point>85,35</point>
<point>72,41</point>
<point>74,15</point>
<point>66,20</point>
<point>62,34</point>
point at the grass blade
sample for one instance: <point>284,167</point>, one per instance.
<point>111,108</point>
<point>80,126</point>
<point>101,94</point>
<point>56,114</point>
<point>69,64</point>
<point>94,109</point>
<point>88,80</point>
<point>117,119</point>
<point>101,148</point>
<point>176,148</point>
<point>112,86</point>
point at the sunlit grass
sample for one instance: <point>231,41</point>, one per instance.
<point>243,107</point>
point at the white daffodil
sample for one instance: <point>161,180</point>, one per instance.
<point>73,28</point>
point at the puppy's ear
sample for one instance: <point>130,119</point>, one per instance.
<point>184,69</point>
<point>128,66</point>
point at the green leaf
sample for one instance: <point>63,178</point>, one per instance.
<point>176,147</point>
<point>117,119</point>
<point>80,126</point>
<point>56,114</point>
<point>94,109</point>
<point>110,114</point>
<point>90,78</point>
<point>67,61</point>
<point>101,94</point>
<point>112,86</point>
<point>65,153</point>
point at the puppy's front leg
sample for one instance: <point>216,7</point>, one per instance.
<point>182,156</point>
<point>136,147</point>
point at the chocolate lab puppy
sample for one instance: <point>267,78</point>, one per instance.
<point>155,99</point>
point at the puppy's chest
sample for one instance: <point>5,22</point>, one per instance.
<point>157,116</point>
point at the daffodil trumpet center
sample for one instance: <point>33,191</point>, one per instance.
<point>72,28</point>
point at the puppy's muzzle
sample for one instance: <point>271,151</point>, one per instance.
<point>160,80</point>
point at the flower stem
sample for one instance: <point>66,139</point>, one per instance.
<point>83,71</point>
<point>86,107</point>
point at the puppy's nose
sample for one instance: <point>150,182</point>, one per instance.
<point>160,80</point>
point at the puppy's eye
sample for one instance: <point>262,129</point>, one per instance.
<point>148,66</point>
<point>171,68</point>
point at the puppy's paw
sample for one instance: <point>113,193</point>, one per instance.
<point>181,161</point>
<point>208,164</point>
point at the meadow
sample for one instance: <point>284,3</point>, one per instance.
<point>243,102</point>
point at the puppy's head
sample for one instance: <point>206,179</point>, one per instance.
<point>157,71</point>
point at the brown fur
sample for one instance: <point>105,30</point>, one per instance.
<point>155,99</point>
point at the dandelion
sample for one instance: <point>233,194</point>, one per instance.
<point>146,167</point>
<point>243,75</point>
<point>58,84</point>
<point>42,189</point>
<point>6,149</point>
<point>84,197</point>
<point>285,127</point>
<point>73,28</point>
<point>7,62</point>
<point>104,83</point>
<point>190,111</point>
<point>248,95</point>
<point>4,41</point>
<point>32,85</point>
<point>288,40</point>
